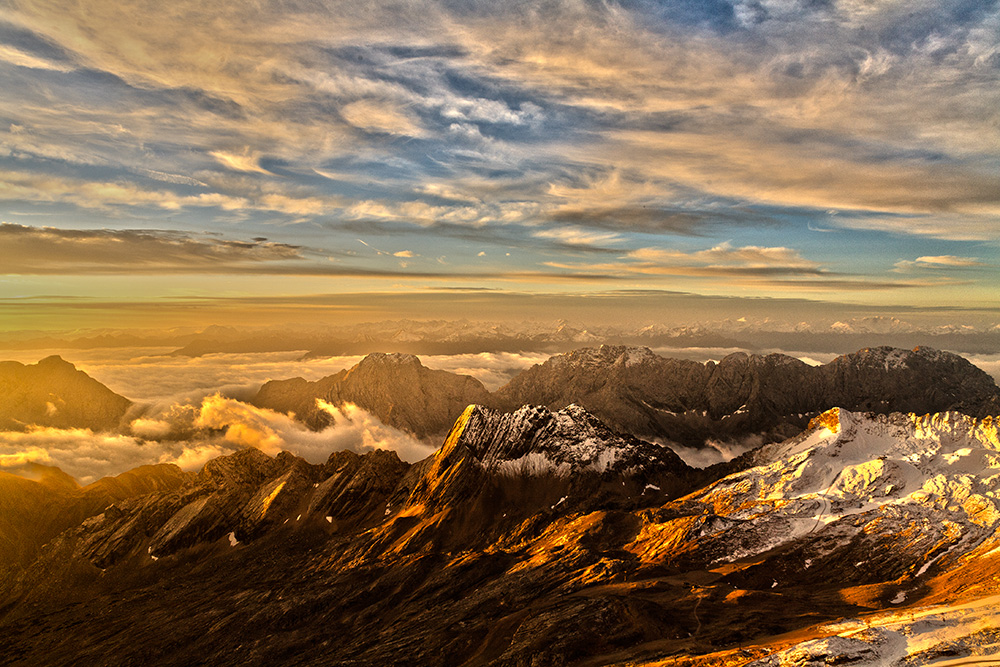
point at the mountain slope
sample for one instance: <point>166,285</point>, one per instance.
<point>53,393</point>
<point>396,388</point>
<point>535,538</point>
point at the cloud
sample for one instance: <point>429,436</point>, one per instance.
<point>20,58</point>
<point>949,260</point>
<point>46,250</point>
<point>725,254</point>
<point>714,452</point>
<point>83,454</point>
<point>150,429</point>
<point>272,432</point>
<point>938,263</point>
<point>575,236</point>
<point>91,194</point>
<point>380,116</point>
<point>246,161</point>
<point>493,369</point>
<point>222,426</point>
<point>723,261</point>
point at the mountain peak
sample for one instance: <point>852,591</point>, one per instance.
<point>55,361</point>
<point>397,358</point>
<point>54,393</point>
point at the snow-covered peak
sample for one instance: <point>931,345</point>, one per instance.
<point>534,440</point>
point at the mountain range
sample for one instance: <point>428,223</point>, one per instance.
<point>471,337</point>
<point>533,538</point>
<point>633,390</point>
<point>543,534</point>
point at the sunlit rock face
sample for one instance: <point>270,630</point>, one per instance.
<point>53,393</point>
<point>916,486</point>
<point>396,388</point>
<point>533,537</point>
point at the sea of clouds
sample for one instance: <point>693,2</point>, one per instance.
<point>193,410</point>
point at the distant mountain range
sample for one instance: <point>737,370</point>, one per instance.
<point>530,538</point>
<point>743,397</point>
<point>638,392</point>
<point>458,337</point>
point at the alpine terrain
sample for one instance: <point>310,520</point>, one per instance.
<point>537,536</point>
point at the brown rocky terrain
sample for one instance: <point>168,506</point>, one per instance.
<point>533,538</point>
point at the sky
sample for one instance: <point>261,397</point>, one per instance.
<point>193,163</point>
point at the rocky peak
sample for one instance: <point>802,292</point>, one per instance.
<point>396,388</point>
<point>55,362</point>
<point>54,393</point>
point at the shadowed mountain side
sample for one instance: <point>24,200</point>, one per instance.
<point>531,538</point>
<point>639,392</point>
<point>38,502</point>
<point>396,388</point>
<point>53,393</point>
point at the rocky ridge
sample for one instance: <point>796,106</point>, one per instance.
<point>773,396</point>
<point>742,398</point>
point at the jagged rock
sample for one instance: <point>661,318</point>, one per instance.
<point>247,467</point>
<point>497,465</point>
<point>163,477</point>
<point>275,500</point>
<point>53,393</point>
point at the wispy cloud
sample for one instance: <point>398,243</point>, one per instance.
<point>246,161</point>
<point>938,263</point>
<point>46,250</point>
<point>555,129</point>
<point>15,56</point>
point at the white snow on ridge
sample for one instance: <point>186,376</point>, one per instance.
<point>853,463</point>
